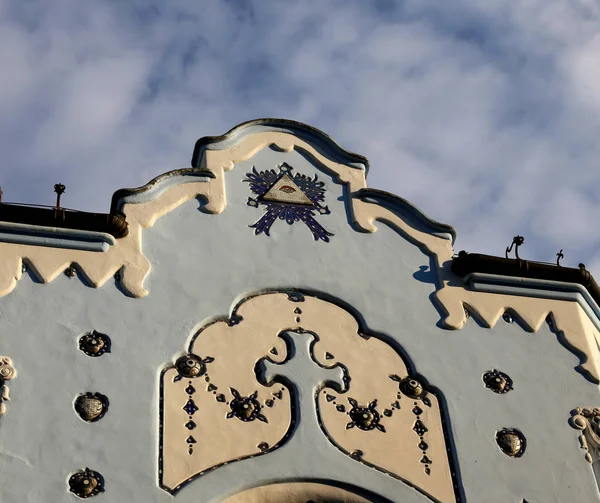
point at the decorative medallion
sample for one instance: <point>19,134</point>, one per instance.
<point>86,483</point>
<point>91,407</point>
<point>364,418</point>
<point>245,408</point>
<point>511,442</point>
<point>497,381</point>
<point>7,372</point>
<point>289,198</point>
<point>192,365</point>
<point>94,344</point>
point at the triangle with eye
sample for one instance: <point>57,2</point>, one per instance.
<point>285,191</point>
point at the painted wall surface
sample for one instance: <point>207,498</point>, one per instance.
<point>202,266</point>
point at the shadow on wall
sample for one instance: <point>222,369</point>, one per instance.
<point>305,492</point>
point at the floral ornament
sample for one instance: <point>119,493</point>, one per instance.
<point>364,418</point>
<point>245,408</point>
<point>289,198</point>
<point>191,366</point>
<point>86,483</point>
<point>7,372</point>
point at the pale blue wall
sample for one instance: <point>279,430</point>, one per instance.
<point>201,265</point>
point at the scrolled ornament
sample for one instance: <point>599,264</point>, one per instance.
<point>7,373</point>
<point>587,420</point>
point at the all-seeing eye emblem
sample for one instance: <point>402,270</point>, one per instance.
<point>287,197</point>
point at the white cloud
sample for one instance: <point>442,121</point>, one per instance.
<point>484,114</point>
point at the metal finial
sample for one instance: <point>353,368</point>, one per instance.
<point>516,242</point>
<point>559,255</point>
<point>59,188</point>
<point>582,266</point>
<point>1,194</point>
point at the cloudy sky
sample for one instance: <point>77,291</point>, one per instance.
<point>485,114</point>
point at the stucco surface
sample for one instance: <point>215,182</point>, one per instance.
<point>204,264</point>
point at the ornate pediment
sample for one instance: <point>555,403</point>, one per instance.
<point>97,252</point>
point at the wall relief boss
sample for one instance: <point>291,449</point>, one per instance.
<point>216,409</point>
<point>7,372</point>
<point>86,483</point>
<point>91,407</point>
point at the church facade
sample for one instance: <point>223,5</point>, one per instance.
<point>263,327</point>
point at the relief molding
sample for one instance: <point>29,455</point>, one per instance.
<point>124,255</point>
<point>587,420</point>
<point>7,373</point>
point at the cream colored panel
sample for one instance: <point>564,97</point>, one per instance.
<point>383,417</point>
<point>223,430</point>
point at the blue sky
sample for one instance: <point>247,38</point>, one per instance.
<point>485,114</point>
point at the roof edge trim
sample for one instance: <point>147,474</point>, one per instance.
<point>393,201</point>
<point>351,158</point>
<point>121,195</point>
<point>467,263</point>
<point>539,288</point>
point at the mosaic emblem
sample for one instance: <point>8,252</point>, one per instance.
<point>288,197</point>
<point>86,483</point>
<point>91,407</point>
